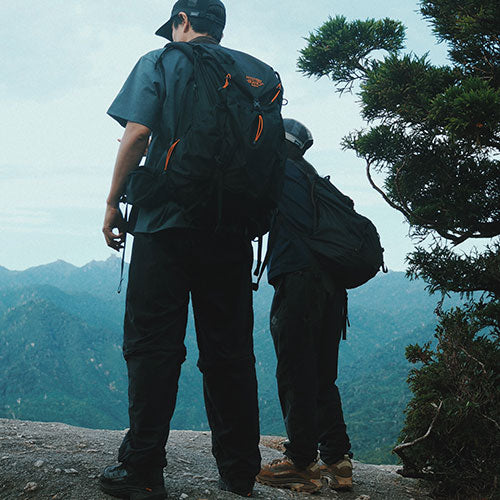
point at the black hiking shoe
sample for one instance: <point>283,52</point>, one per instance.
<point>243,490</point>
<point>124,482</point>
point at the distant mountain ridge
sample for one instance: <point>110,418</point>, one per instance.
<point>60,354</point>
<point>99,278</point>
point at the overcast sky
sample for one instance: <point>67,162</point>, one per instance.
<point>63,61</point>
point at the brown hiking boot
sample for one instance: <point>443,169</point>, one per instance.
<point>338,476</point>
<point>283,473</point>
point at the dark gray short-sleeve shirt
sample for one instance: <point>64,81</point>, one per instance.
<point>152,97</point>
<point>140,98</point>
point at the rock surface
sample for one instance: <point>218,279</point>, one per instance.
<point>56,461</point>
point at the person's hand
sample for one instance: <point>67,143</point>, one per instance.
<point>113,219</point>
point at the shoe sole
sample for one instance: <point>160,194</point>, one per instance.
<point>310,487</point>
<point>337,482</point>
<point>134,493</point>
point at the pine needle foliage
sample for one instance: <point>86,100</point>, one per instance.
<point>433,134</point>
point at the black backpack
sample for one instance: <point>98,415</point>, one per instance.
<point>228,153</point>
<point>342,242</point>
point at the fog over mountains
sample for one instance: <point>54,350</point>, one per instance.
<point>61,360</point>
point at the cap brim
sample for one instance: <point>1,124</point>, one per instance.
<point>166,30</point>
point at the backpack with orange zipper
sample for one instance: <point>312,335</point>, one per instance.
<point>228,152</point>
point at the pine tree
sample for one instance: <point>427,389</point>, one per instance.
<point>433,133</point>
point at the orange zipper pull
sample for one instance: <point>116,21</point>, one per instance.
<point>169,154</point>
<point>260,128</point>
<point>228,77</point>
<point>277,93</point>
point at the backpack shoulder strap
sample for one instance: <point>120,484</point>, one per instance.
<point>185,48</point>
<point>309,171</point>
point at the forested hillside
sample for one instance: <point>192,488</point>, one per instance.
<point>60,354</point>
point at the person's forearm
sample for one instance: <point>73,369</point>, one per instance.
<point>132,146</point>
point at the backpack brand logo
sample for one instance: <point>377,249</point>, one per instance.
<point>255,82</point>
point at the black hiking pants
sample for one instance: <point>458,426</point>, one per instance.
<point>306,325</point>
<point>215,268</point>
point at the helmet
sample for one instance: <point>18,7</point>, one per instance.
<point>298,134</point>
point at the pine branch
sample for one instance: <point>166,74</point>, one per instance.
<point>491,420</point>
<point>457,239</point>
<point>399,450</point>
<point>475,359</point>
<point>379,190</point>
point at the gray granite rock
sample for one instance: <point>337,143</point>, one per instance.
<point>74,457</point>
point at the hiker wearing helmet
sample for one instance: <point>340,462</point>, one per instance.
<point>307,318</point>
<point>181,250</point>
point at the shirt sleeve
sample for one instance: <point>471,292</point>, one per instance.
<point>140,99</point>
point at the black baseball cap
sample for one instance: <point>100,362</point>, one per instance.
<point>212,10</point>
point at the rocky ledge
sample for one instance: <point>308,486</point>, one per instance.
<point>56,461</point>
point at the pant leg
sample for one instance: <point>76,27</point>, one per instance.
<point>333,439</point>
<point>295,323</point>
<point>222,304</point>
<point>154,331</point>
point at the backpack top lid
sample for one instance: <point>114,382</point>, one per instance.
<point>253,76</point>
